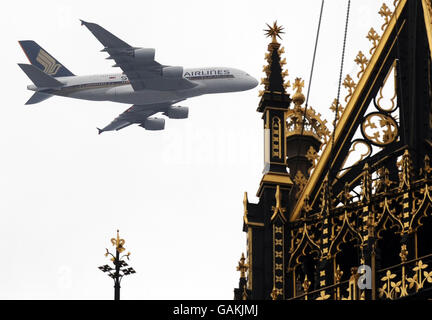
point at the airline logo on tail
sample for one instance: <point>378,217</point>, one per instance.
<point>48,62</point>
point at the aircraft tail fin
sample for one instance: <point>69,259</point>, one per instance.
<point>39,78</point>
<point>38,97</point>
<point>43,60</point>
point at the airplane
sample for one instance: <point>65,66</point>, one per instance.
<point>149,86</point>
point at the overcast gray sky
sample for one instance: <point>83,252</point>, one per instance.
<point>176,195</point>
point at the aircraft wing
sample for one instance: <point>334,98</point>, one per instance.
<point>135,114</point>
<point>137,63</point>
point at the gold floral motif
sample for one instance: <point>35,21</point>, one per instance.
<point>323,296</point>
<point>397,288</point>
<point>374,37</point>
<point>312,156</point>
<point>420,276</point>
<point>118,243</point>
<point>385,134</point>
<point>386,14</point>
<point>300,180</point>
<point>390,288</point>
<point>362,61</point>
<point>313,124</point>
<point>336,106</point>
<point>350,85</point>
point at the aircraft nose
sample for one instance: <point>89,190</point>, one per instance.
<point>253,82</point>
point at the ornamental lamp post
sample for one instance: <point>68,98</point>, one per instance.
<point>119,270</point>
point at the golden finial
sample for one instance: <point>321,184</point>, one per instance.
<point>298,84</point>
<point>298,97</point>
<point>306,284</point>
<point>274,32</point>
<point>338,274</point>
<point>386,14</point>
<point>374,37</point>
<point>406,173</point>
<point>350,85</point>
<point>362,61</point>
<point>242,266</point>
<point>118,243</point>
<point>404,253</point>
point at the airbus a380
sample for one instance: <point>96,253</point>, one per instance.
<point>149,86</point>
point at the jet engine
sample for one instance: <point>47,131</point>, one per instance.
<point>153,124</point>
<point>177,112</point>
<point>172,72</point>
<point>144,54</point>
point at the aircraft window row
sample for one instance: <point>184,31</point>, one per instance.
<point>98,84</point>
<point>210,77</point>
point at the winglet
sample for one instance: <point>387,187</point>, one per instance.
<point>100,130</point>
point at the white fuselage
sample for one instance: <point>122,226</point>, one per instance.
<point>117,88</point>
